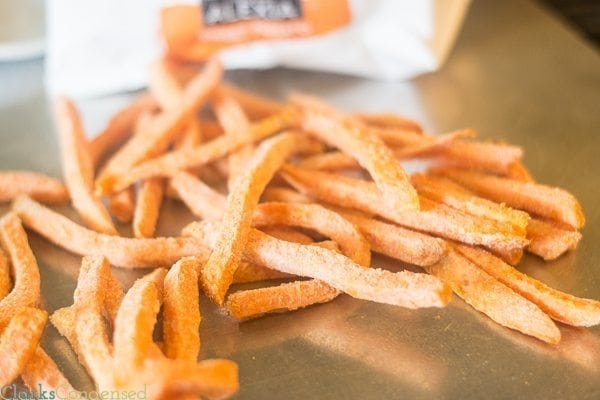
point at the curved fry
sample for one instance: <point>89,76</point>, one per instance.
<point>26,290</point>
<point>120,251</point>
<point>37,186</point>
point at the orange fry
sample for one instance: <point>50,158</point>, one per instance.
<point>211,379</point>
<point>285,232</point>
<point>322,220</point>
<point>89,334</point>
<point>434,218</point>
<point>158,134</point>
<point>42,374</point>
<point>122,205</point>
<point>519,172</point>
<point>171,163</point>
<point>407,146</point>
<point>181,310</point>
<point>147,207</point>
<point>120,127</point>
<point>254,106</point>
<point>330,161</point>
<point>367,148</point>
<point>316,217</point>
<point>560,306</point>
<point>164,85</point>
<point>546,201</point>
<point>219,270</point>
<point>19,341</point>
<point>26,275</point>
<point>489,296</point>
<point>5,281</point>
<point>393,121</point>
<point>397,242</point>
<point>446,191</point>
<point>285,195</point>
<point>78,169</point>
<point>40,187</point>
<point>488,156</point>
<point>168,90</point>
<point>191,137</point>
<point>248,272</point>
<point>235,124</point>
<point>202,200</point>
<point>550,241</point>
<point>120,251</point>
<point>404,288</point>
<point>135,322</point>
<point>248,304</point>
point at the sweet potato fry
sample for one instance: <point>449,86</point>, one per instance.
<point>19,341</point>
<point>546,201</point>
<point>78,169</point>
<point>408,146</point>
<point>248,304</point>
<point>254,106</point>
<point>147,207</point>
<point>560,306</point>
<point>168,90</point>
<point>445,191</point>
<point>122,205</point>
<point>497,158</point>
<point>386,120</point>
<point>303,293</point>
<point>218,272</point>
<point>171,163</point>
<point>316,217</point>
<point>158,134</point>
<point>548,240</point>
<point>164,85</point>
<point>42,374</point>
<point>89,333</point>
<point>397,242</point>
<point>235,124</point>
<point>135,322</point>
<point>191,137</point>
<point>5,281</point>
<point>434,218</point>
<point>120,127</point>
<point>404,288</point>
<point>519,172</point>
<point>40,187</point>
<point>330,161</point>
<point>489,296</point>
<point>286,233</point>
<point>248,272</point>
<point>26,275</point>
<point>211,379</point>
<point>211,128</point>
<point>181,310</point>
<point>120,251</point>
<point>204,202</point>
<point>201,199</point>
<point>285,195</point>
<point>367,148</point>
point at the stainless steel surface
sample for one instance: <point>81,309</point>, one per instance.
<point>517,75</point>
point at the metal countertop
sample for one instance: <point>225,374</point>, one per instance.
<point>516,74</point>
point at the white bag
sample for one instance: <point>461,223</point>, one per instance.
<point>101,47</point>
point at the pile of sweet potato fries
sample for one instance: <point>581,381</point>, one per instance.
<point>296,191</point>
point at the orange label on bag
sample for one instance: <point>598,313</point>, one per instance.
<point>194,33</point>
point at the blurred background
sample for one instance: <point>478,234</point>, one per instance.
<point>22,23</point>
